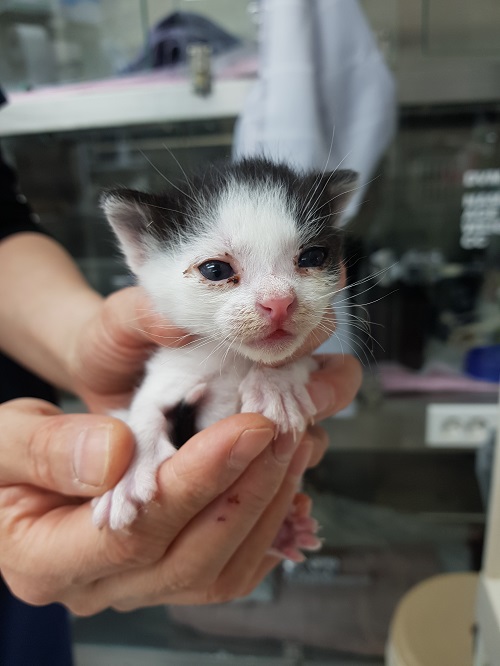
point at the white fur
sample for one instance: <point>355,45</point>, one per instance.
<point>256,232</point>
<point>259,237</point>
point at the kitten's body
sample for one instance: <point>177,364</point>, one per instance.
<point>248,260</point>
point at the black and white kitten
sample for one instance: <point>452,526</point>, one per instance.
<point>248,259</point>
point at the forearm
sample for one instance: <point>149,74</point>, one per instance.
<point>44,302</point>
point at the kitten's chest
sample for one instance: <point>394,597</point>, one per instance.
<point>206,380</point>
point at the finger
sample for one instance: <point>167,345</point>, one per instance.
<point>200,471</point>
<point>233,577</point>
<point>267,564</point>
<point>247,560</point>
<point>335,384</point>
<point>203,468</point>
<point>319,444</point>
<point>211,536</point>
<point>77,454</point>
<point>57,537</point>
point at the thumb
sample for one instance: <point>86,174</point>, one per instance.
<point>73,454</point>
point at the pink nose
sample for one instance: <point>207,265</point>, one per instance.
<point>277,309</point>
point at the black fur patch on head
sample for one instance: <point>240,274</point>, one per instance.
<point>318,199</point>
<point>141,219</point>
<point>159,215</point>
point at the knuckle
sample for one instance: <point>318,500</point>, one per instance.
<point>192,495</point>
<point>195,496</point>
<point>131,550</point>
<point>39,458</point>
<point>257,498</point>
<point>188,577</point>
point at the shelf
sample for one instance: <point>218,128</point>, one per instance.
<point>161,98</point>
<point>119,103</point>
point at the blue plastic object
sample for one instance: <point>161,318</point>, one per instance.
<point>484,363</point>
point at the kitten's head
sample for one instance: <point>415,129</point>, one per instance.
<point>248,256</point>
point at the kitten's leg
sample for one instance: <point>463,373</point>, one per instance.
<point>280,394</point>
<point>148,420</point>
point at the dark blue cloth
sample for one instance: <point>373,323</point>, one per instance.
<point>29,636</point>
<point>33,636</point>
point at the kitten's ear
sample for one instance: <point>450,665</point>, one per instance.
<point>131,215</point>
<point>336,189</point>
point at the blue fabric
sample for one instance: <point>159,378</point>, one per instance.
<point>33,636</point>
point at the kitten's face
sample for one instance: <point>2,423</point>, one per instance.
<point>253,264</point>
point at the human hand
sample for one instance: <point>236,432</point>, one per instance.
<point>176,552</point>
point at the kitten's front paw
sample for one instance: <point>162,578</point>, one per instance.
<point>119,506</point>
<point>280,394</point>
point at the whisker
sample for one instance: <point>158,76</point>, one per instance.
<point>313,204</point>
<point>309,196</point>
<point>185,194</point>
<point>341,194</point>
<point>180,167</point>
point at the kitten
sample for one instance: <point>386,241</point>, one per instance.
<point>248,260</point>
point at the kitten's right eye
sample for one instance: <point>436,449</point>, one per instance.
<point>216,270</point>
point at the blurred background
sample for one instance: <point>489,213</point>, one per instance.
<point>103,92</point>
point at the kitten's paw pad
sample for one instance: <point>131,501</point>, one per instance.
<point>298,531</point>
<point>112,511</point>
<point>120,506</point>
<point>280,394</point>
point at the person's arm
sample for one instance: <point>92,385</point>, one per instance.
<point>44,303</point>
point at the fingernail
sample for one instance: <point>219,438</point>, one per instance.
<point>323,397</point>
<point>284,446</point>
<point>248,446</point>
<point>91,455</point>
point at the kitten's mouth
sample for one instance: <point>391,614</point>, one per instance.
<point>279,336</point>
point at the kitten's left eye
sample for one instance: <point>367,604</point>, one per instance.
<point>216,270</point>
<point>313,257</point>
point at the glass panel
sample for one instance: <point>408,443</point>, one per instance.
<point>62,41</point>
<point>65,41</point>
<point>461,28</point>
